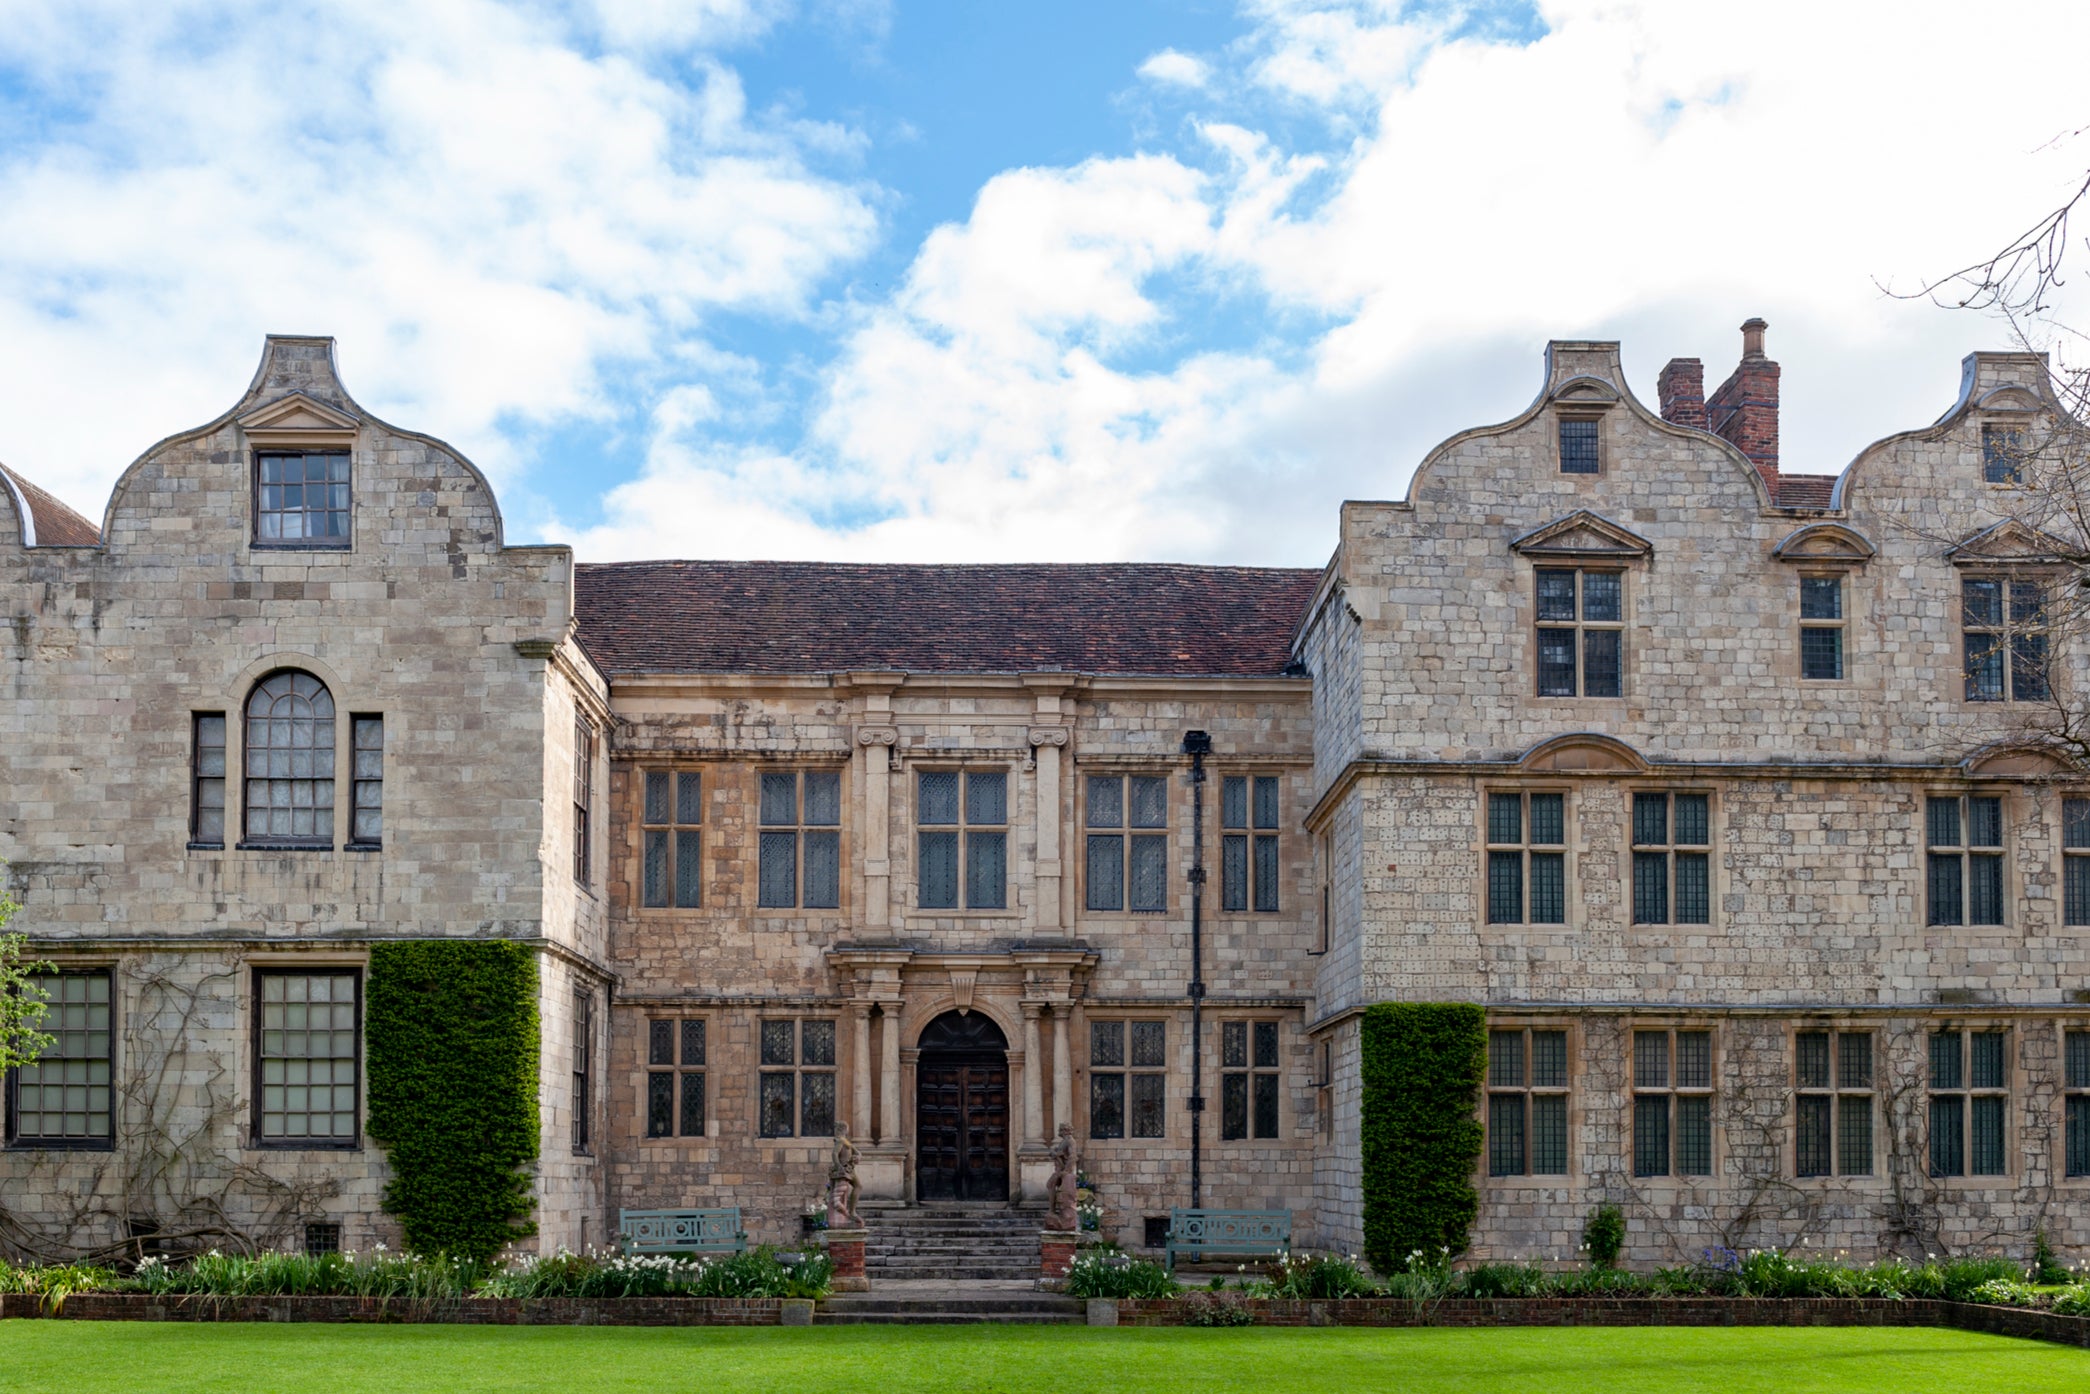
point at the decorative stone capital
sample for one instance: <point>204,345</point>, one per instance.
<point>878,735</point>
<point>1048,735</point>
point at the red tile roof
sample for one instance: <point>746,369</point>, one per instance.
<point>51,523</point>
<point>819,617</point>
<point>1804,490</point>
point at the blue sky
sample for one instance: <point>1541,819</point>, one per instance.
<point>882,279</point>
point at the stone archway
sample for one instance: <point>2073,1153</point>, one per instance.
<point>961,1110</point>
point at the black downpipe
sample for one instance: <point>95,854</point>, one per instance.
<point>1197,745</point>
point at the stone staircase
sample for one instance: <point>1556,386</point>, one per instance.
<point>963,1308</point>
<point>944,1243</point>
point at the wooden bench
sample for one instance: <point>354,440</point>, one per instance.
<point>1197,1234</point>
<point>681,1232</point>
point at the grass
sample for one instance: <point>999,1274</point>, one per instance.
<point>89,1357</point>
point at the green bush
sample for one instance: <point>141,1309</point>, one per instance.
<point>1506,1280</point>
<point>2046,1264</point>
<point>452,1047</point>
<point>1604,1234</point>
<point>1113,1274</point>
<point>1421,1064</point>
<point>1963,1277</point>
<point>2074,1300</point>
<point>2005,1292</point>
<point>758,1273</point>
<point>376,1274</point>
<point>1315,1277</point>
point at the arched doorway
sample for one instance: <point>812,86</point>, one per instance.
<point>961,1110</point>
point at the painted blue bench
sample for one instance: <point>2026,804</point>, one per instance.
<point>681,1232</point>
<point>1195,1234</point>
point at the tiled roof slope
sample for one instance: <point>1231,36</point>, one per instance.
<point>818,617</point>
<point>1804,490</point>
<point>52,524</point>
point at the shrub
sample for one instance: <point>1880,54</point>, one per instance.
<point>1200,1309</point>
<point>1962,1277</point>
<point>1118,1275</point>
<point>1505,1280</point>
<point>1310,1277</point>
<point>2005,1292</point>
<point>2046,1264</point>
<point>1604,1234</point>
<point>1422,1064</point>
<point>56,1282</point>
<point>2073,1300</point>
<point>452,1047</point>
<point>376,1274</point>
<point>758,1273</point>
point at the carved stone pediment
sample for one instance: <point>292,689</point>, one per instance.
<point>1825,542</point>
<point>1584,752</point>
<point>1583,535</point>
<point>1583,390</point>
<point>297,419</point>
<point>2012,543</point>
<point>2019,758</point>
<point>2010,398</point>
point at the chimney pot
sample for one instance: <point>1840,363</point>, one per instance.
<point>1744,409</point>
<point>1752,337</point>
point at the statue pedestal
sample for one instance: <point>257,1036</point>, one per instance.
<point>1034,1175</point>
<point>1056,1251</point>
<point>846,1248</point>
<point>881,1170</point>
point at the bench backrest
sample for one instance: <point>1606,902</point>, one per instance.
<point>1231,1231</point>
<point>679,1229</point>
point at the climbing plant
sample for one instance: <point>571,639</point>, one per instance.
<point>21,998</point>
<point>1422,1065</point>
<point>452,1049</point>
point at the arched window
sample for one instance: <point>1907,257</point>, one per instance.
<point>290,761</point>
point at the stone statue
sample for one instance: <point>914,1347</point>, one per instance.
<point>841,1183</point>
<point>1060,1213</point>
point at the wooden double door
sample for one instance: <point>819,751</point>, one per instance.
<point>961,1113</point>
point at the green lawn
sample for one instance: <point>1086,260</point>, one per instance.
<point>171,1358</point>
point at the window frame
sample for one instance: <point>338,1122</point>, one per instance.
<point>1964,1097</point>
<point>1126,1072</point>
<point>1579,627</point>
<point>1672,1093</point>
<point>1595,421</point>
<point>583,803</point>
<point>672,834</point>
<point>1525,850</point>
<point>2008,631</point>
<point>583,1072</point>
<point>1130,838</point>
<point>2075,861</point>
<point>1964,852</point>
<point>799,831</point>
<point>345,543</point>
<point>1836,1095</point>
<point>365,792</point>
<point>1249,839</point>
<point>249,839</point>
<point>14,1140</point>
<point>1253,1075</point>
<point>1838,626</point>
<point>1527,1090</point>
<point>200,779</point>
<point>1671,854</point>
<point>256,1138</point>
<point>677,1069</point>
<point>2004,467</point>
<point>2073,1165</point>
<point>963,831</point>
<point>797,1073</point>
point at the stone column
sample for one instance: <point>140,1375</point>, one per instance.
<point>1047,741</point>
<point>1033,1078</point>
<point>860,1069</point>
<point>1062,1071</point>
<point>889,1073</point>
<point>877,743</point>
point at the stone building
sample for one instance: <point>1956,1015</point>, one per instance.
<point>1721,787</point>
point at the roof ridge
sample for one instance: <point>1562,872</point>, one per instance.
<point>47,520</point>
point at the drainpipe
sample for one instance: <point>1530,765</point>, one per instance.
<point>1197,745</point>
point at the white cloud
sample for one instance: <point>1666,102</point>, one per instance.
<point>1174,69</point>
<point>489,218</point>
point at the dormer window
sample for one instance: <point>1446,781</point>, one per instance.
<point>2003,453</point>
<point>1578,445</point>
<point>301,498</point>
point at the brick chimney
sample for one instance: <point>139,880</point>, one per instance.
<point>1682,389</point>
<point>1745,408</point>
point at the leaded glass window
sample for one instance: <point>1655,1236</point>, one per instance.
<point>1578,445</point>
<point>290,761</point>
<point>2002,453</point>
<point>1581,633</point>
<point>1527,1102</point>
<point>301,499</point>
<point>1964,862</point>
<point>672,834</point>
<point>801,846</point>
<point>1248,847</point>
<point>2075,862</point>
<point>1821,628</point>
<point>1128,1079</point>
<point>63,1099</point>
<point>1672,862</point>
<point>1672,1103</point>
<point>797,1087</point>
<point>366,803</point>
<point>675,1078</point>
<point>1127,863</point>
<point>1833,1088</point>
<point>1249,1080</point>
<point>308,1058</point>
<point>1969,1103</point>
<point>2004,629</point>
<point>1527,858</point>
<point>963,839</point>
<point>2075,1079</point>
<point>207,779</point>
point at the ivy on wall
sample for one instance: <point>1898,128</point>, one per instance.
<point>451,1044</point>
<point>1422,1066</point>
